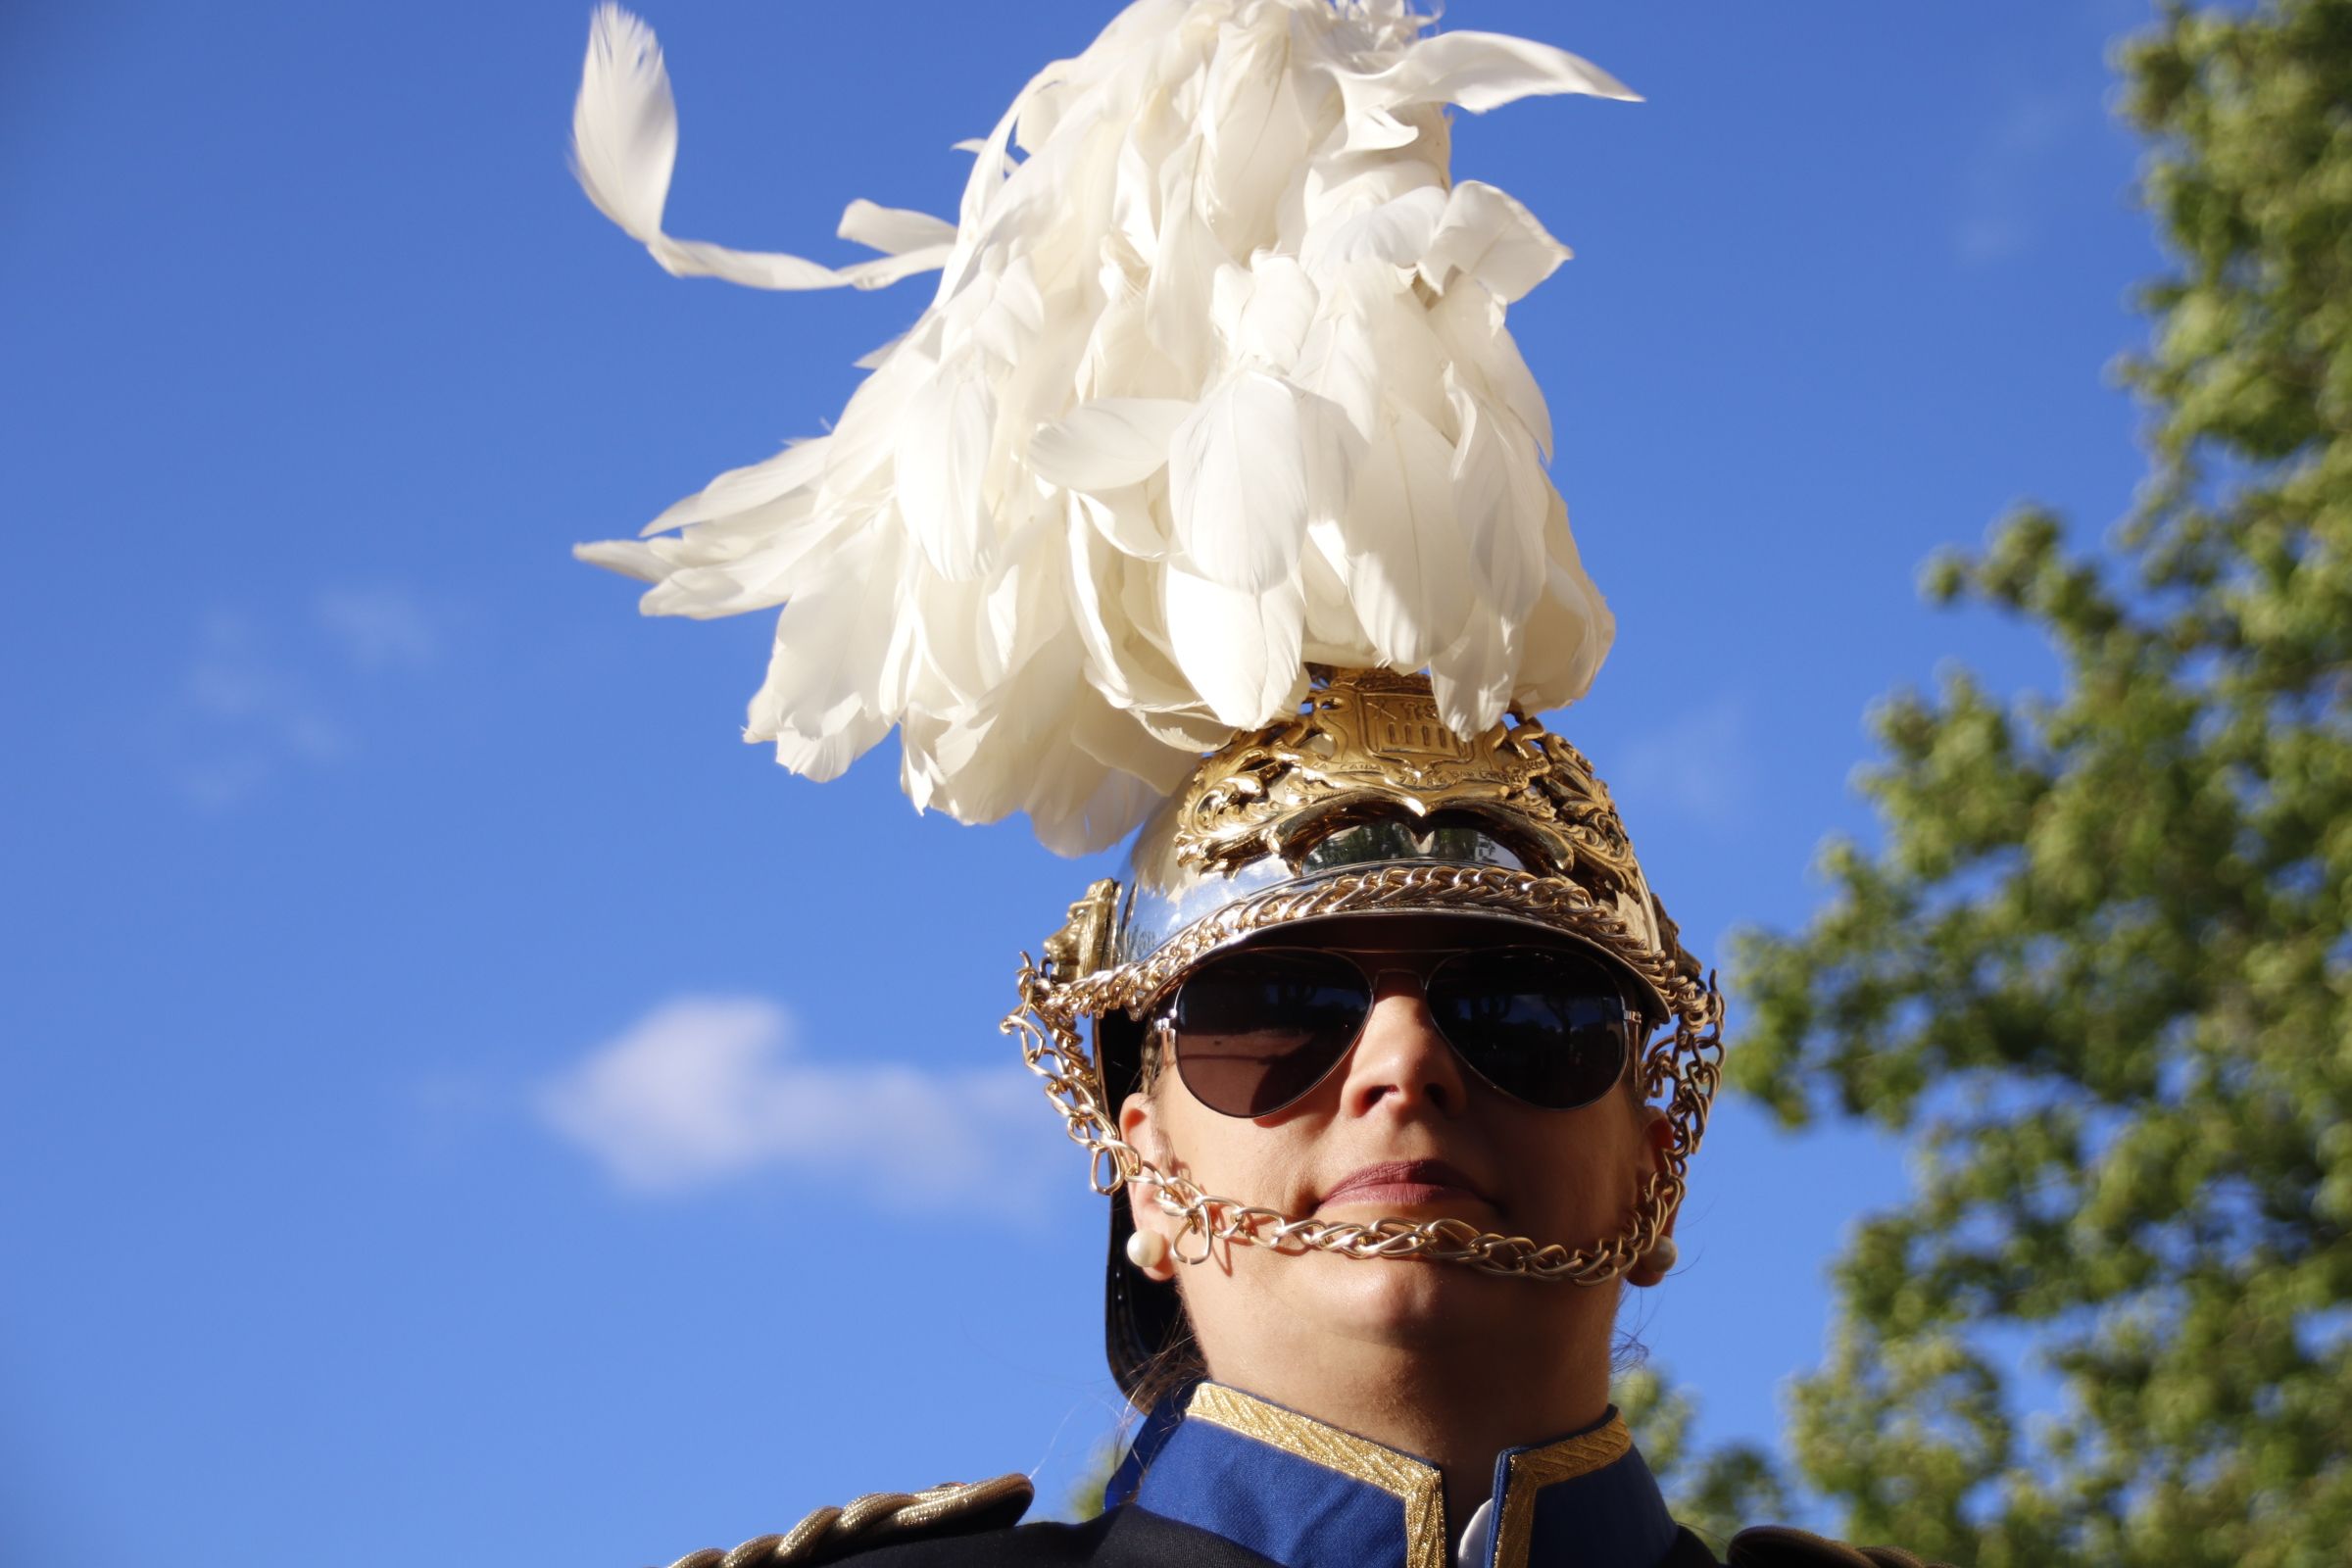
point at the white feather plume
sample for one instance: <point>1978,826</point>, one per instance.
<point>1215,385</point>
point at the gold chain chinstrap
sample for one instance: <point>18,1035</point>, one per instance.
<point>1682,1071</point>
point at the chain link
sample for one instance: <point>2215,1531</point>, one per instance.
<point>1684,1069</point>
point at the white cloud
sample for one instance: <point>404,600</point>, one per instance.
<point>1994,222</point>
<point>378,628</point>
<point>1985,238</point>
<point>241,716</point>
<point>704,1091</point>
<point>257,699</point>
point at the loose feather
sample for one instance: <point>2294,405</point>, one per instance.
<point>1216,382</point>
<point>624,141</point>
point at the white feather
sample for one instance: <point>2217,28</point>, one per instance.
<point>1568,633</point>
<point>1239,649</point>
<point>1238,483</point>
<point>1395,232</point>
<point>739,490</point>
<point>940,452</point>
<point>892,231</point>
<point>826,756</point>
<point>1472,679</point>
<point>1216,382</point>
<point>1468,322</point>
<point>1499,498</point>
<point>827,652</point>
<point>1108,443</point>
<point>1271,316</point>
<point>625,142</point>
<point>628,556</point>
<point>1488,235</point>
<point>1339,362</point>
<point>1406,571</point>
<point>1479,71</point>
<point>624,124</point>
<point>1133,518</point>
<point>1185,264</point>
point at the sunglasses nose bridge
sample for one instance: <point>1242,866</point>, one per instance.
<point>1378,964</point>
<point>1378,975</point>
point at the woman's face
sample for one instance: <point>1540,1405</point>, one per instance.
<point>1401,1127</point>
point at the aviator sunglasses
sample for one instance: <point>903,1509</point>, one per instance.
<point>1252,1030</point>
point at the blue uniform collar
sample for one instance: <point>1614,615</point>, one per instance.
<point>1310,1495</point>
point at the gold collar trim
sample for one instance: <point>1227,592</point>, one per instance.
<point>1537,1468</point>
<point>1417,1485</point>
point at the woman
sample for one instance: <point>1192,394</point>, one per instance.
<point>1410,1079</point>
<point>1211,442</point>
<point>1370,1017</point>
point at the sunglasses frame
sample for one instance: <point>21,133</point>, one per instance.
<point>1423,964</point>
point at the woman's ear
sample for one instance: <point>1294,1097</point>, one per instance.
<point>1151,1249</point>
<point>1658,1136</point>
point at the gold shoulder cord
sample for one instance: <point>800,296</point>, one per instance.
<point>877,1519</point>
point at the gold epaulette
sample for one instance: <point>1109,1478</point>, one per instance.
<point>1779,1546</point>
<point>878,1519</point>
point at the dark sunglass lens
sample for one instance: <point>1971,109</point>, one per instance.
<point>1256,1030</point>
<point>1549,1028</point>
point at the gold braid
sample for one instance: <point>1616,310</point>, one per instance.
<point>874,1520</point>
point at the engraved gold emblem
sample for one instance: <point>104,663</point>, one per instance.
<point>1407,727</point>
<point>1370,746</point>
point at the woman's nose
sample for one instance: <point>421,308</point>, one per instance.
<point>1400,1061</point>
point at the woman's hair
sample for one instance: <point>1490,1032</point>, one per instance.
<point>1175,1367</point>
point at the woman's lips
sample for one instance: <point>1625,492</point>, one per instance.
<point>1404,1184</point>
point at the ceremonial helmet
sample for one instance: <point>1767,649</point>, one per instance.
<point>1364,804</point>
<point>1208,495</point>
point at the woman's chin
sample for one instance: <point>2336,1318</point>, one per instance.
<point>1406,1301</point>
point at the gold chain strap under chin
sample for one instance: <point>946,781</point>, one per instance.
<point>1685,1068</point>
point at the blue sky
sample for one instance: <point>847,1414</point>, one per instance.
<point>458,1100</point>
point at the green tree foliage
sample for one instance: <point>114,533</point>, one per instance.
<point>2100,972</point>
